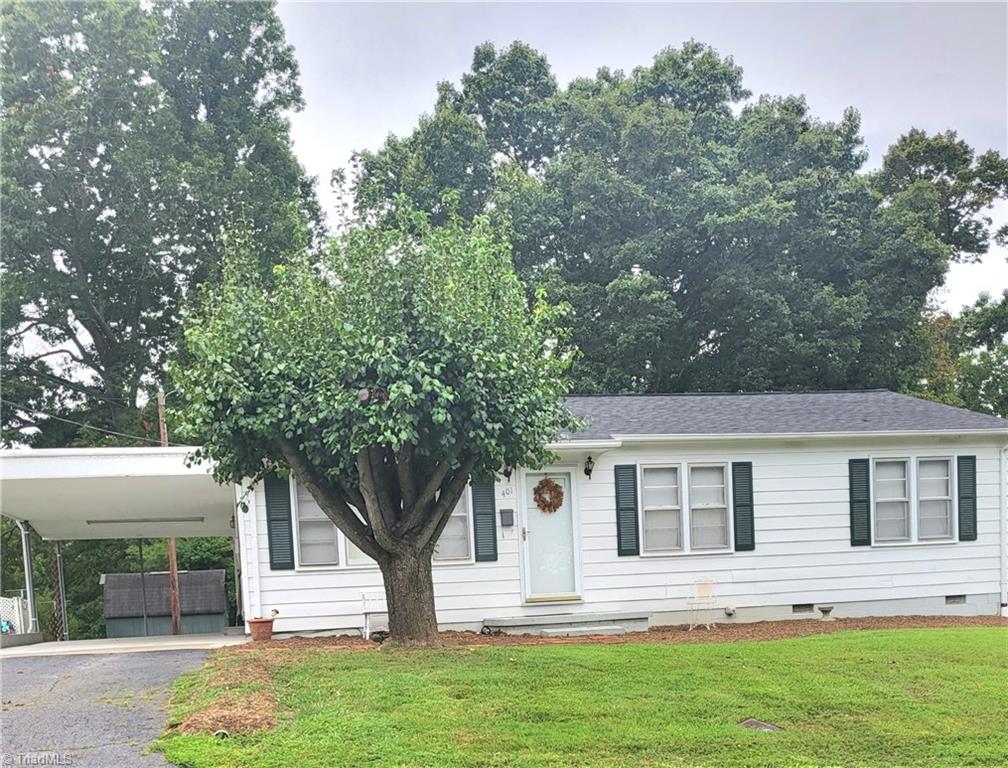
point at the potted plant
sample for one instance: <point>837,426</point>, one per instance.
<point>262,629</point>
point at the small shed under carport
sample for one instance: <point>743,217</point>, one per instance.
<point>202,596</point>
<point>111,493</point>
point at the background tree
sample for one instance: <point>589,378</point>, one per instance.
<point>705,240</point>
<point>967,363</point>
<point>983,355</point>
<point>383,376</point>
<point>965,186</point>
<point>132,134</point>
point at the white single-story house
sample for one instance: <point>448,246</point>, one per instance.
<point>872,502</point>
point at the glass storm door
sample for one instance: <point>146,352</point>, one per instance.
<point>550,557</point>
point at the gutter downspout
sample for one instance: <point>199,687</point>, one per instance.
<point>33,625</point>
<point>1003,526</point>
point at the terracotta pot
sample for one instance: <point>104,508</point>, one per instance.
<point>261,629</point>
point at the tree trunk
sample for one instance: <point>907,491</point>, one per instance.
<point>409,592</point>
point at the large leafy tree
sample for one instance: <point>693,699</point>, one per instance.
<point>966,186</point>
<point>967,361</point>
<point>705,240</point>
<point>133,133</point>
<point>983,362</point>
<point>383,374</point>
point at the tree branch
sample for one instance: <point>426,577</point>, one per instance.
<point>383,478</point>
<point>372,506</point>
<point>446,502</point>
<point>50,353</point>
<point>353,497</point>
<point>407,485</point>
<point>83,389</point>
<point>415,516</point>
<point>333,504</point>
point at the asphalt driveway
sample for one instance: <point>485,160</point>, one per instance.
<point>96,710</point>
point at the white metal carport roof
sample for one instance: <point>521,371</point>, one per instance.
<point>114,493</point>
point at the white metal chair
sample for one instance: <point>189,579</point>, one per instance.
<point>703,600</point>
<point>372,603</point>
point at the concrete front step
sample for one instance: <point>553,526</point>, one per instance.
<point>580,619</point>
<point>607,629</point>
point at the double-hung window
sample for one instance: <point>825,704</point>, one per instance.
<point>934,498</point>
<point>318,539</point>
<point>913,499</point>
<point>684,508</point>
<point>892,500</point>
<point>320,543</point>
<point>662,509</point>
<point>708,502</point>
<point>454,543</point>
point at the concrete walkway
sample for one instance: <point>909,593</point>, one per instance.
<point>94,711</point>
<point>124,645</point>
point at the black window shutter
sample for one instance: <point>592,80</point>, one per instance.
<point>742,501</point>
<point>860,503</point>
<point>627,535</point>
<point>966,468</point>
<point>484,511</point>
<point>279,528</point>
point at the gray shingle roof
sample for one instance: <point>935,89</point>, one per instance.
<point>771,413</point>
<point>199,592</point>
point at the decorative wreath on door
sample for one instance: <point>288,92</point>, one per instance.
<point>548,495</point>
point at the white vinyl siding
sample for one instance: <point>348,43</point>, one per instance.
<point>892,500</point>
<point>803,552</point>
<point>662,509</point>
<point>455,542</point>
<point>708,502</point>
<point>934,498</point>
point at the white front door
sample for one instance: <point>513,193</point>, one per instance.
<point>550,538</point>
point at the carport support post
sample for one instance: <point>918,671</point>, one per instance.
<point>62,590</point>
<point>33,625</point>
<point>173,590</point>
<point>143,588</point>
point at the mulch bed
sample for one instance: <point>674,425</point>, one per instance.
<point>720,633</point>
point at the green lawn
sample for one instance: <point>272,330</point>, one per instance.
<point>932,697</point>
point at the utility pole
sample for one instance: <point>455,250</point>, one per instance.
<point>173,588</point>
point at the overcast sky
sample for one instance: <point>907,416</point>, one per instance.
<point>371,69</point>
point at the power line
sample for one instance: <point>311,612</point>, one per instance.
<point>37,412</point>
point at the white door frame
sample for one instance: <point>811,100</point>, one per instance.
<point>523,503</point>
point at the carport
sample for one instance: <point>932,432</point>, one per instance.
<point>110,493</point>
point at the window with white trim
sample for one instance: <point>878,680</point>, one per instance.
<point>455,541</point>
<point>892,500</point>
<point>661,509</point>
<point>318,539</point>
<point>708,505</point>
<point>934,498</point>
